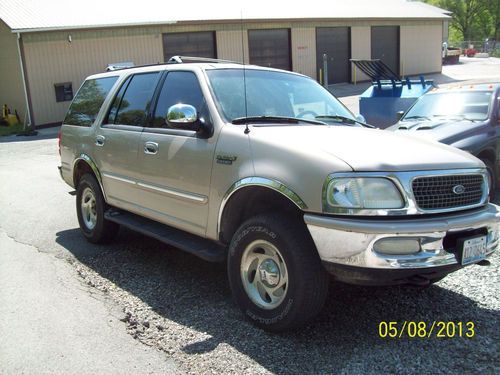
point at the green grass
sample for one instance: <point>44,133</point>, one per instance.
<point>9,130</point>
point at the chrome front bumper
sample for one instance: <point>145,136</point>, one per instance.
<point>350,242</point>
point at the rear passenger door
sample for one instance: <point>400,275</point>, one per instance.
<point>176,164</point>
<point>117,139</point>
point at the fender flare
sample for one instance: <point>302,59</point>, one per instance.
<point>88,160</point>
<point>263,182</point>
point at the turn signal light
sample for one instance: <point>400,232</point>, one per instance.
<point>59,135</point>
<point>397,246</point>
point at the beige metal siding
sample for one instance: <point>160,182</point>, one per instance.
<point>229,45</point>
<point>421,49</point>
<point>360,49</point>
<point>54,62</point>
<point>51,58</point>
<point>11,81</point>
<point>304,51</point>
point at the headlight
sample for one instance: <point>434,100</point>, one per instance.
<point>363,193</point>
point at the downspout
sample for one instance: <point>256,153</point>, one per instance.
<point>26,98</point>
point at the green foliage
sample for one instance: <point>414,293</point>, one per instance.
<point>472,19</point>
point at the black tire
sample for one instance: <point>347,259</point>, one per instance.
<point>103,231</point>
<point>490,166</point>
<point>307,280</point>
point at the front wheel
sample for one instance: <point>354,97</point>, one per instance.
<point>275,273</point>
<point>90,207</point>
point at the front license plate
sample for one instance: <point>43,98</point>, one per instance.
<point>473,250</point>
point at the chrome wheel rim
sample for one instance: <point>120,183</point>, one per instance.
<point>264,274</point>
<point>88,208</point>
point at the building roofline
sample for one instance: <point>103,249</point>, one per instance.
<point>233,21</point>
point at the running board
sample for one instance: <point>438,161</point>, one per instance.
<point>201,247</point>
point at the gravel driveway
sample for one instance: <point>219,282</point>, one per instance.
<point>182,305</point>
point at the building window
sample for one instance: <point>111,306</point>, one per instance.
<point>198,44</point>
<point>64,92</point>
<point>270,48</point>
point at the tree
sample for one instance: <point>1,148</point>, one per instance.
<point>472,18</point>
<point>494,11</point>
<point>465,13</point>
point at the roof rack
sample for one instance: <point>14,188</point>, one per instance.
<point>172,60</point>
<point>184,59</point>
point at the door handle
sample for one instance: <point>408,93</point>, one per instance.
<point>150,148</point>
<point>99,140</point>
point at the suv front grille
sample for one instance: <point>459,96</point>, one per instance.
<point>444,192</point>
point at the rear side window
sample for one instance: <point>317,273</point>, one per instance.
<point>88,101</point>
<point>133,99</point>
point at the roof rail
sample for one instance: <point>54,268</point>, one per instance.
<point>184,59</point>
<point>174,60</point>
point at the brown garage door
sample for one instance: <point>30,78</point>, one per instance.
<point>385,45</point>
<point>335,42</point>
<point>270,48</point>
<point>199,44</point>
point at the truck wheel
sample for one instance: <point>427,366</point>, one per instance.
<point>90,207</point>
<point>490,166</point>
<point>275,273</point>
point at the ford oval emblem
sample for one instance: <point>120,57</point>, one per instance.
<point>458,189</point>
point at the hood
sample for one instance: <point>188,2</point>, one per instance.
<point>363,149</point>
<point>444,131</point>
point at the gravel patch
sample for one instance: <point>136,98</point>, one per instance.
<point>182,305</point>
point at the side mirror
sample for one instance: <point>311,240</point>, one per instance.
<point>399,114</point>
<point>361,118</point>
<point>183,116</point>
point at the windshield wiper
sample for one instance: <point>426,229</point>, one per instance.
<point>456,115</point>
<point>416,117</point>
<point>274,119</point>
<point>345,119</point>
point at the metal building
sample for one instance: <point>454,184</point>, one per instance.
<point>48,48</point>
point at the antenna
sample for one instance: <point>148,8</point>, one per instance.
<point>247,130</point>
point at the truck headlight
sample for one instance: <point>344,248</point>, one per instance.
<point>363,193</point>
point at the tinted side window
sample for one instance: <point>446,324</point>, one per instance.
<point>116,103</point>
<point>134,102</point>
<point>498,109</point>
<point>179,87</point>
<point>85,107</point>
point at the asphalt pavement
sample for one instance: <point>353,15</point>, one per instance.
<point>51,322</point>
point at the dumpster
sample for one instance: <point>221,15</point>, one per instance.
<point>388,94</point>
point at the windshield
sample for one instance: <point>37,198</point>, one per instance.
<point>271,93</point>
<point>472,105</point>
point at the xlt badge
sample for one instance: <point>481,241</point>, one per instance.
<point>226,159</point>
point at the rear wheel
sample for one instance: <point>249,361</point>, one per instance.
<point>90,208</point>
<point>490,166</point>
<point>275,273</point>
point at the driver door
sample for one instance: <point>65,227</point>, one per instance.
<point>176,165</point>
